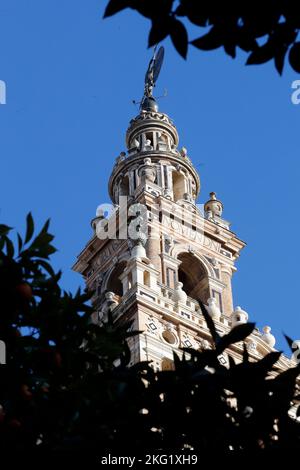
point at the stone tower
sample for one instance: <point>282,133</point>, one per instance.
<point>154,251</point>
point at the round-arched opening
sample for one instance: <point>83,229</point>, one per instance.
<point>169,337</point>
<point>193,275</point>
<point>114,284</point>
<point>179,188</point>
<point>124,186</point>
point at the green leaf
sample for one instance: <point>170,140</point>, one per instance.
<point>237,334</point>
<point>29,227</point>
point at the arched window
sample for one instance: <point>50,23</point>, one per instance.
<point>129,280</point>
<point>193,275</point>
<point>114,284</point>
<point>178,185</point>
<point>124,186</point>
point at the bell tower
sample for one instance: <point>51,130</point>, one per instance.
<point>155,251</point>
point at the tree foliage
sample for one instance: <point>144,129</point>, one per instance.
<point>67,384</point>
<point>265,30</point>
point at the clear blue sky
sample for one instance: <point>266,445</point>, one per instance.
<point>70,80</point>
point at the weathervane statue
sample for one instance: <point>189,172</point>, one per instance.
<point>148,102</point>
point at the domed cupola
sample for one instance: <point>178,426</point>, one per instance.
<point>153,162</point>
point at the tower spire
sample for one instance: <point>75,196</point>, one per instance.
<point>148,102</point>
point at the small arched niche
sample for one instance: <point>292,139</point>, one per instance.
<point>193,275</point>
<point>146,278</point>
<point>178,181</point>
<point>114,284</point>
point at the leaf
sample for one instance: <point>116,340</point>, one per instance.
<point>210,324</point>
<point>46,266</point>
<point>279,59</point>
<point>160,29</point>
<point>212,40</point>
<point>237,334</point>
<point>29,227</point>
<point>230,49</point>
<point>4,229</point>
<point>290,342</point>
<point>20,242</point>
<point>267,362</point>
<point>245,353</point>
<point>294,56</point>
<point>10,251</point>
<point>114,6</point>
<point>262,54</point>
<point>179,37</point>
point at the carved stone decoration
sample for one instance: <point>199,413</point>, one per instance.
<point>138,250</point>
<point>179,295</point>
<point>168,242</point>
<point>148,171</point>
<point>120,158</point>
<point>153,326</point>
<point>251,346</point>
<point>167,194</point>
<point>213,207</point>
<point>268,337</point>
<point>162,143</point>
<point>205,344</point>
<point>213,309</point>
<point>183,152</point>
<point>239,317</point>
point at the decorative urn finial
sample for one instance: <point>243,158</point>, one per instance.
<point>213,207</point>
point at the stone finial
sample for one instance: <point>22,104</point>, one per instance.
<point>183,152</point>
<point>213,309</point>
<point>239,317</point>
<point>110,300</point>
<point>268,337</point>
<point>148,171</point>
<point>213,207</point>
<point>138,251</point>
<point>179,295</point>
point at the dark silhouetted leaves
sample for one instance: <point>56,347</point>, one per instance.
<point>160,30</point>
<point>294,57</point>
<point>262,54</point>
<point>210,324</point>
<point>209,41</point>
<point>29,227</point>
<point>179,37</point>
<point>114,6</point>
<point>68,384</point>
<point>231,27</point>
<point>237,334</point>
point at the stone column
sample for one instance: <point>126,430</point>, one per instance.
<point>153,249</point>
<point>226,275</point>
